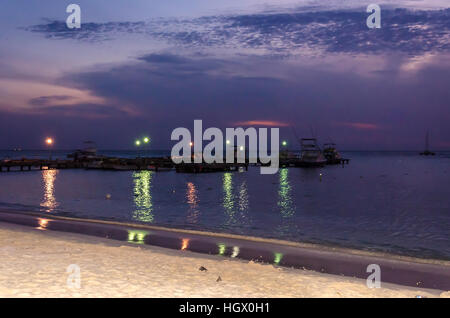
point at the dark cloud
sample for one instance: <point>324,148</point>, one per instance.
<point>164,58</point>
<point>171,97</point>
<point>346,31</point>
<point>165,90</point>
<point>223,92</point>
<point>182,66</point>
<point>91,32</point>
<point>82,110</point>
<point>408,31</point>
<point>48,100</point>
<point>204,87</point>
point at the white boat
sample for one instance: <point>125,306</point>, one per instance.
<point>89,152</point>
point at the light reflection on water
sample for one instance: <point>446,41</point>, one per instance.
<point>243,197</point>
<point>192,201</point>
<point>137,236</point>
<point>221,248</point>
<point>142,196</point>
<point>285,202</point>
<point>184,244</point>
<point>236,251</point>
<point>43,224</point>
<point>228,200</point>
<point>236,205</point>
<point>389,202</point>
<point>277,257</point>
<point>49,202</point>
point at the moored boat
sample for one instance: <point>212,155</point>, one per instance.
<point>89,152</point>
<point>311,155</point>
<point>331,154</point>
<point>427,151</point>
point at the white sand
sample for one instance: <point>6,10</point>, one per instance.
<point>34,263</point>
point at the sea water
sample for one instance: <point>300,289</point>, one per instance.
<point>397,202</point>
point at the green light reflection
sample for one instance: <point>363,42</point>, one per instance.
<point>142,196</point>
<point>228,200</point>
<point>277,258</point>
<point>285,202</point>
<point>136,236</point>
<point>222,248</point>
<point>235,199</point>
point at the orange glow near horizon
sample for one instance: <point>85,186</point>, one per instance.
<point>49,141</point>
<point>268,123</point>
<point>359,125</point>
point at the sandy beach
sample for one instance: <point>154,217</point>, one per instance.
<point>34,264</point>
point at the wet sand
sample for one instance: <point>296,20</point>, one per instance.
<point>34,264</point>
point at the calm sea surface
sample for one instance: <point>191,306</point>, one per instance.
<point>397,202</point>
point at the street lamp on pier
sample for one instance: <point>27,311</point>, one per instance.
<point>49,142</point>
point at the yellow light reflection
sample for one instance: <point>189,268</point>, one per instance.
<point>142,196</point>
<point>236,251</point>
<point>184,244</point>
<point>285,202</point>
<point>136,236</point>
<point>243,197</point>
<point>192,201</point>
<point>43,223</point>
<point>49,201</point>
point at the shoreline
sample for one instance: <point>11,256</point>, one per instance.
<point>224,235</point>
<point>324,260</point>
<point>35,266</point>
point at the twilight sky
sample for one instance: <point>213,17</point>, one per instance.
<point>145,67</point>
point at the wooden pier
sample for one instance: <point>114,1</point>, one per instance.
<point>131,164</point>
<point>118,164</point>
<point>37,164</point>
<point>212,167</point>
